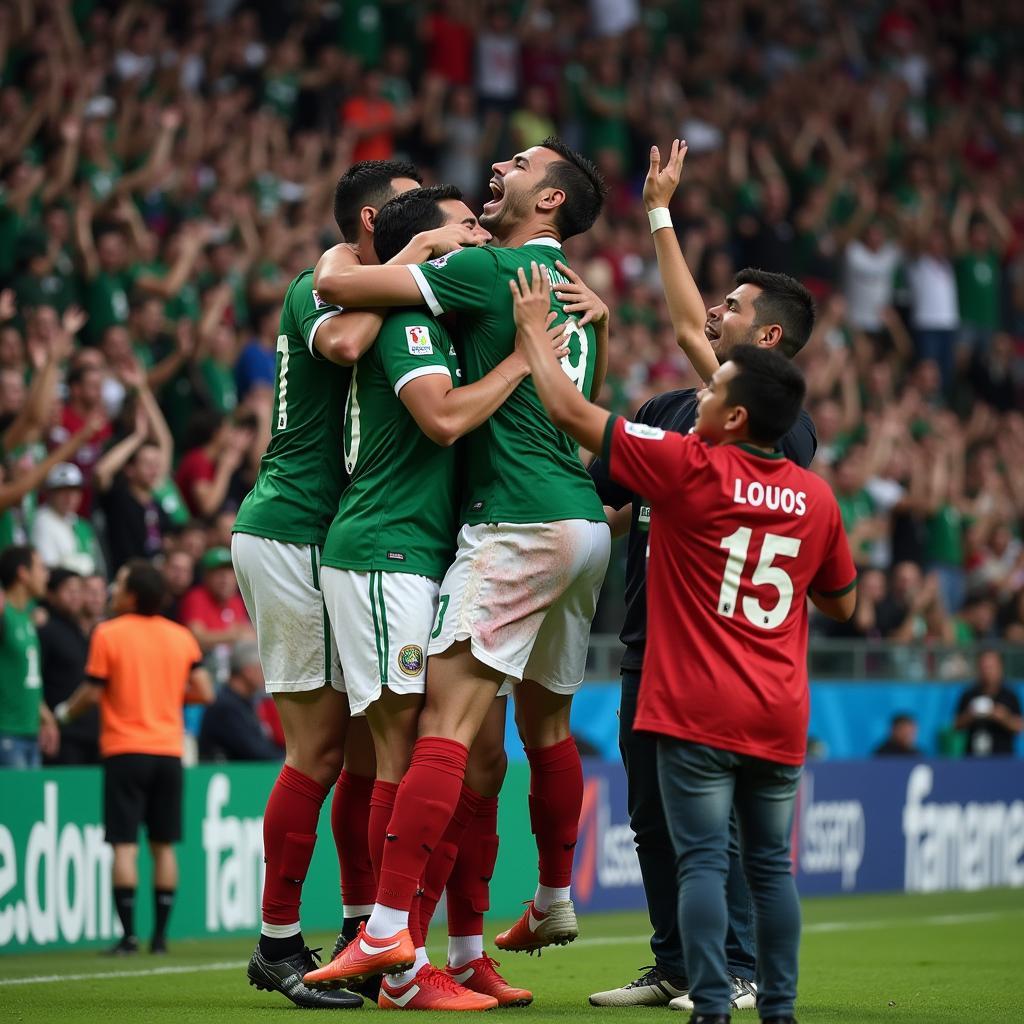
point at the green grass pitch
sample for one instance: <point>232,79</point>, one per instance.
<point>900,959</point>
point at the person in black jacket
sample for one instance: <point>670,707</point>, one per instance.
<point>772,310</point>
<point>231,729</point>
<point>63,649</point>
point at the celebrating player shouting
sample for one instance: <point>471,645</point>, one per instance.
<point>740,537</point>
<point>518,600</point>
<point>390,544</point>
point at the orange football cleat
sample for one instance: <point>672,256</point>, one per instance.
<point>534,930</point>
<point>364,957</point>
<point>481,975</point>
<point>431,989</point>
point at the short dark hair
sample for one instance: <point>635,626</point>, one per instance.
<point>770,388</point>
<point>12,560</point>
<point>783,301</point>
<point>901,718</point>
<point>408,214</point>
<point>60,576</point>
<point>145,581</point>
<point>367,183</point>
<point>582,184</point>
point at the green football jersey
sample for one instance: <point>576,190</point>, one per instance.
<point>520,467</point>
<point>400,512</point>
<point>301,477</point>
<point>21,685</point>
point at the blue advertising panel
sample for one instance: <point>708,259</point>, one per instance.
<point>859,826</point>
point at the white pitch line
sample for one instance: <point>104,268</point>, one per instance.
<point>602,940</point>
<point>41,979</point>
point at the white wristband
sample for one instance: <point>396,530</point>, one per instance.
<point>60,712</point>
<point>659,218</point>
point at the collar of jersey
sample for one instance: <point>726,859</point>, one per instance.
<point>760,452</point>
<point>547,240</point>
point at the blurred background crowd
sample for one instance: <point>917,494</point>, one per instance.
<point>165,170</point>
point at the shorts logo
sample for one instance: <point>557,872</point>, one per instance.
<point>320,303</point>
<point>419,341</point>
<point>410,659</point>
<point>642,430</point>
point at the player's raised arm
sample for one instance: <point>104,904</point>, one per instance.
<point>568,409</point>
<point>342,283</point>
<point>685,306</point>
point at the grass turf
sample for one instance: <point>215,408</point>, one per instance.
<point>898,958</point>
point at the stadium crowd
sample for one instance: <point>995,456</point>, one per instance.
<point>166,171</point>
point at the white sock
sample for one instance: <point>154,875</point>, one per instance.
<point>404,977</point>
<point>546,895</point>
<point>386,921</point>
<point>464,948</point>
<point>358,911</point>
<point>280,931</point>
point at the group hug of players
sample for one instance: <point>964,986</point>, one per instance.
<point>402,585</point>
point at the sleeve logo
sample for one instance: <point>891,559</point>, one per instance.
<point>441,261</point>
<point>320,303</point>
<point>642,430</point>
<point>418,339</point>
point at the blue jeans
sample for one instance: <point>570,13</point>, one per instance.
<point>940,346</point>
<point>700,786</point>
<point>19,751</point>
<point>658,860</point>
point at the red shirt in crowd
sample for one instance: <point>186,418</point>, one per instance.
<point>737,539</point>
<point>199,605</point>
<point>87,456</point>
<point>449,48</point>
<point>374,118</point>
<point>194,466</point>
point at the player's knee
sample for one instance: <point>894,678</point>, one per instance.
<point>320,762</point>
<point>485,773</point>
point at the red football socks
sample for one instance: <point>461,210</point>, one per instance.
<point>469,886</point>
<point>289,833</point>
<point>350,815</point>
<point>382,805</point>
<point>439,870</point>
<point>556,797</point>
<point>427,798</point>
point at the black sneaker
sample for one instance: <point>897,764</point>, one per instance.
<point>652,988</point>
<point>128,946</point>
<point>285,976</point>
<point>714,1018</point>
<point>158,945</point>
<point>371,986</point>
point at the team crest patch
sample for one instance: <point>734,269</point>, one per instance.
<point>642,430</point>
<point>419,341</point>
<point>410,659</point>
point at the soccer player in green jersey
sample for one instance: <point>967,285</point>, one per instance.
<point>278,535</point>
<point>518,601</point>
<point>26,723</point>
<point>385,555</point>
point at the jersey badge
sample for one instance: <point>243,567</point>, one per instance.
<point>442,260</point>
<point>419,341</point>
<point>410,659</point>
<point>642,430</point>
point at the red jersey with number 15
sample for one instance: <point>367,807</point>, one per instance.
<point>738,537</point>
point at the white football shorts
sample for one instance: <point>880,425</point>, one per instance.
<point>524,596</point>
<point>382,622</point>
<point>280,585</point>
